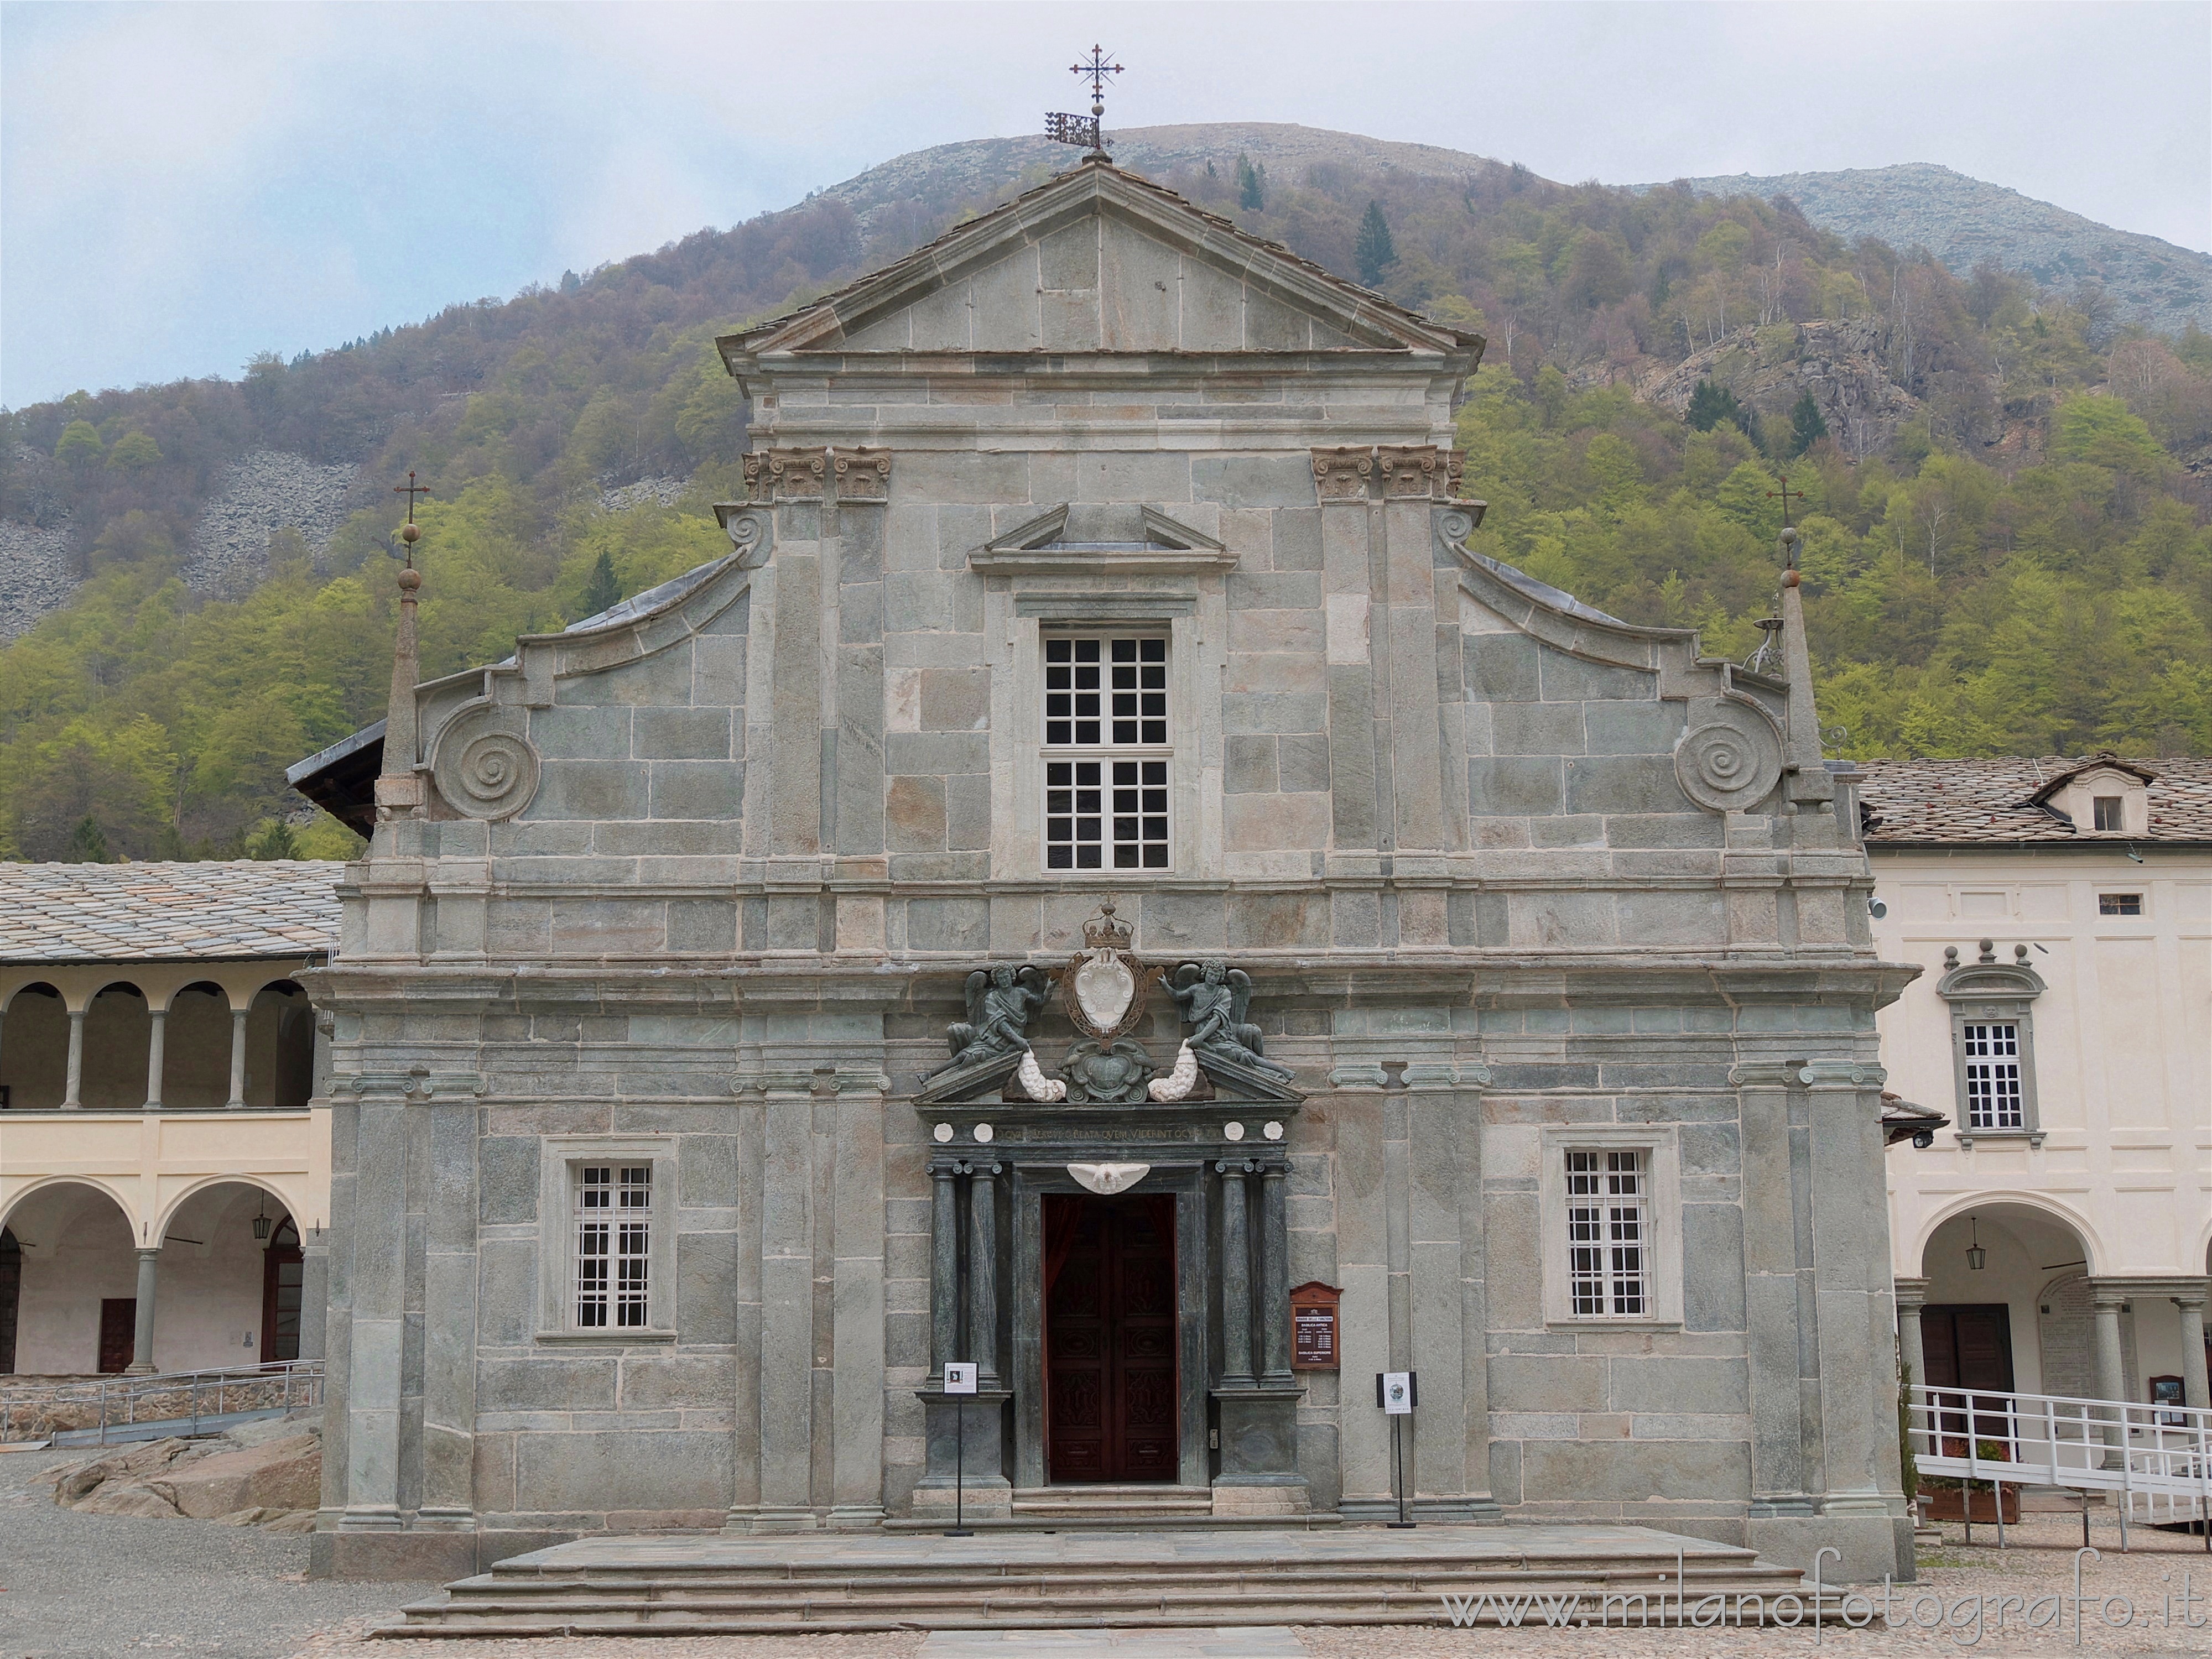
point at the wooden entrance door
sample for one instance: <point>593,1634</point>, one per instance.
<point>11,1284</point>
<point>1110,1339</point>
<point>282,1272</point>
<point>1968,1347</point>
<point>118,1332</point>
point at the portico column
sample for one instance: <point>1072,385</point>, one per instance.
<point>72,1092</point>
<point>943,1269</point>
<point>142,1335</point>
<point>1274,1273</point>
<point>2194,1391</point>
<point>159,1019</point>
<point>983,1273</point>
<point>237,1058</point>
<point>1911,1296</point>
<point>2110,1383</point>
<point>1236,1279</point>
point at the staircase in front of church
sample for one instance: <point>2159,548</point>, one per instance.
<point>1036,1580</point>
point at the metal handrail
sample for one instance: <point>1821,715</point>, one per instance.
<point>299,1384</point>
<point>2155,1461</point>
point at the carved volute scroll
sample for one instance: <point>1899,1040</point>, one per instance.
<point>485,767</point>
<point>1405,472</point>
<point>1730,759</point>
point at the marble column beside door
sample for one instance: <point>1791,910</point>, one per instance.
<point>1235,1277</point>
<point>944,1268</point>
<point>142,1336</point>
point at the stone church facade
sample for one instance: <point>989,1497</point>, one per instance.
<point>1101,675</point>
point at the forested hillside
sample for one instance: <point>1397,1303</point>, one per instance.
<point>2004,486</point>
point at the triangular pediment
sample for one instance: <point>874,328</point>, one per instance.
<point>1100,260</point>
<point>1117,539</point>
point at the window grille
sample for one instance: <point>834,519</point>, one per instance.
<point>1107,695</point>
<point>1609,1234</point>
<point>2108,811</point>
<point>2119,904</point>
<point>1993,1092</point>
<point>614,1235</point>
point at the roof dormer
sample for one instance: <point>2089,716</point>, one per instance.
<point>2104,796</point>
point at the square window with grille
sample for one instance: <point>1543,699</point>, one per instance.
<point>2119,904</point>
<point>614,1239</point>
<point>1993,1092</point>
<point>1106,753</point>
<point>1609,1234</point>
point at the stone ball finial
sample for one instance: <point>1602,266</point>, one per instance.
<point>410,580</point>
<point>1789,579</point>
<point>1789,537</point>
<point>410,533</point>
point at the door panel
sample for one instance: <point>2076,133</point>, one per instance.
<point>1110,1342</point>
<point>119,1323</point>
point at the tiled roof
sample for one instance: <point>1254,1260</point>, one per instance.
<point>167,911</point>
<point>1931,803</point>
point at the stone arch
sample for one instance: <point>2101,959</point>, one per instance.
<point>34,1029</point>
<point>280,1045</point>
<point>1995,1203</point>
<point>118,1034</point>
<point>196,1046</point>
<point>217,1236</point>
<point>282,1203</point>
<point>78,1276</point>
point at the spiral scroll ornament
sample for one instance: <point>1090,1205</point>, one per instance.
<point>1729,764</point>
<point>485,771</point>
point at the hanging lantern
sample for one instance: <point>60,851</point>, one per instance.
<point>1977,1257</point>
<point>261,1224</point>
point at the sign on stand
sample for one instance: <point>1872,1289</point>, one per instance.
<point>1397,1393</point>
<point>959,1378</point>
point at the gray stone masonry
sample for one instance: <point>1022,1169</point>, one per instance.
<point>695,892</point>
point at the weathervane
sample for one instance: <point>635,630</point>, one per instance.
<point>410,533</point>
<point>1085,129</point>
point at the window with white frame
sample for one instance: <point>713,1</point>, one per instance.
<point>613,1286</point>
<point>1993,1079</point>
<point>1609,1234</point>
<point>1106,751</point>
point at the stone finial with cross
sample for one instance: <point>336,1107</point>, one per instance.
<point>410,533</point>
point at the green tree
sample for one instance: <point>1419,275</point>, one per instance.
<point>1251,186</point>
<point>80,444</point>
<point>1374,251</point>
<point>87,845</point>
<point>1710,404</point>
<point>1807,427</point>
<point>276,841</point>
<point>601,591</point>
<point>134,451</point>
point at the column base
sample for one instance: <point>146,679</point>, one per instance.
<point>965,1440</point>
<point>783,1517</point>
<point>1259,1434</point>
<point>445,1518</point>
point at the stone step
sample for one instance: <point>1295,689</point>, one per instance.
<point>1050,1582</point>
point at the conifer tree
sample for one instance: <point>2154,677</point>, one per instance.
<point>1806,426</point>
<point>1251,186</point>
<point>1710,404</point>
<point>277,841</point>
<point>87,844</point>
<point>601,591</point>
<point>1373,250</point>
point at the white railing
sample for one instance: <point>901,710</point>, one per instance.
<point>107,1403</point>
<point>2153,1462</point>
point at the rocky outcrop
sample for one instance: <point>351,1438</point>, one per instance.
<point>1839,362</point>
<point>646,492</point>
<point>266,1473</point>
<point>265,490</point>
<point>37,575</point>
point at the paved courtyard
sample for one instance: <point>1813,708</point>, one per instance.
<point>76,1586</point>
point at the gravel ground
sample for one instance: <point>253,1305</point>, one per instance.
<point>76,1586</point>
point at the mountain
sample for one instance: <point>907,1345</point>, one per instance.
<point>196,577</point>
<point>1966,222</point>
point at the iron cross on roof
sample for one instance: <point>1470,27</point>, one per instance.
<point>1787,494</point>
<point>1085,129</point>
<point>409,532</point>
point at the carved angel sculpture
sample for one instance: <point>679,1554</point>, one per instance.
<point>1213,998</point>
<point>1000,1000</point>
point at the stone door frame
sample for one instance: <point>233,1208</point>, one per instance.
<point>1030,1176</point>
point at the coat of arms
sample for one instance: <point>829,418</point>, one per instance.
<point>1103,989</point>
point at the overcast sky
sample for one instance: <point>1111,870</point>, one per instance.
<point>183,186</point>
